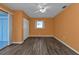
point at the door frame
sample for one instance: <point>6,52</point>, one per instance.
<point>9,39</point>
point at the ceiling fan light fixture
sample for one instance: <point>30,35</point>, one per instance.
<point>42,7</point>
<point>42,10</point>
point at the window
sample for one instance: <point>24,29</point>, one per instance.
<point>39,24</point>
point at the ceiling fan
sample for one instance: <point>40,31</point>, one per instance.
<point>42,7</point>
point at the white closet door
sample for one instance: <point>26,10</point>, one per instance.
<point>26,28</point>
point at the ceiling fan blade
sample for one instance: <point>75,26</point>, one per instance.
<point>40,6</point>
<point>37,11</point>
<point>47,7</point>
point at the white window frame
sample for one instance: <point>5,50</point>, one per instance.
<point>36,25</point>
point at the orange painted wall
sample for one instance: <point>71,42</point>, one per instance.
<point>47,30</point>
<point>17,26</point>
<point>17,30</point>
<point>66,26</point>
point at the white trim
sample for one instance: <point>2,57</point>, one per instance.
<point>41,36</point>
<point>8,30</point>
<point>43,25</point>
<point>17,42</point>
<point>66,45</point>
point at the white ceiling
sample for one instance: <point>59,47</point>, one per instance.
<point>30,9</point>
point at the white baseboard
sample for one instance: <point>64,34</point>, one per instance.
<point>66,44</point>
<point>41,36</point>
<point>17,42</point>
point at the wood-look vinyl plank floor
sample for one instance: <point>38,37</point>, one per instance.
<point>38,46</point>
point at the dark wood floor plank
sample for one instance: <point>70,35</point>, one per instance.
<point>38,46</point>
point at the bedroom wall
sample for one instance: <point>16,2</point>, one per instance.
<point>66,26</point>
<point>17,26</point>
<point>46,31</point>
